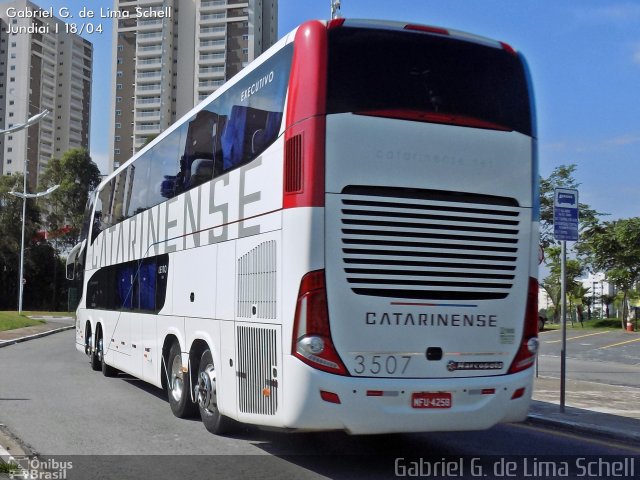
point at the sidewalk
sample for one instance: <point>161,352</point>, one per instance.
<point>610,411</point>
<point>52,325</point>
<point>593,408</point>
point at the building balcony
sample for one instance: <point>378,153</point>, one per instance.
<point>146,128</point>
<point>153,89</point>
<point>150,38</point>
<point>213,18</point>
<point>149,23</point>
<point>147,115</point>
<point>213,31</point>
<point>152,63</point>
<point>148,50</point>
<point>209,85</point>
<point>211,58</point>
<point>209,4</point>
<point>149,102</point>
<point>151,76</point>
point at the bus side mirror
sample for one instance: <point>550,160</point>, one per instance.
<point>72,260</point>
<point>71,270</point>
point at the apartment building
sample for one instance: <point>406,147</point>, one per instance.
<point>168,55</point>
<point>41,67</point>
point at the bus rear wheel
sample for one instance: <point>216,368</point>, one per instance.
<point>206,392</point>
<point>107,370</point>
<point>179,385</point>
<point>91,349</point>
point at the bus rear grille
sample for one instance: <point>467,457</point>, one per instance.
<point>428,244</point>
<point>257,370</point>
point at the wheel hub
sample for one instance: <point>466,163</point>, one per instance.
<point>206,389</point>
<point>177,380</point>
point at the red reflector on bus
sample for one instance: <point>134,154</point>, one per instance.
<point>427,29</point>
<point>518,393</point>
<point>335,23</point>
<point>508,48</point>
<point>375,393</point>
<point>488,391</point>
<point>330,397</point>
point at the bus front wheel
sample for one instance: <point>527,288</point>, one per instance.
<point>207,397</point>
<point>179,385</point>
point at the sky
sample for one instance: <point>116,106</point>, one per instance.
<point>584,57</point>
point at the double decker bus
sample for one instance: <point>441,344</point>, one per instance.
<point>343,236</point>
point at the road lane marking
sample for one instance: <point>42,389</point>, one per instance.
<point>579,336</point>
<point>574,436</point>
<point>619,343</point>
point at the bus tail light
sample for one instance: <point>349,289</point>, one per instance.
<point>526,355</point>
<point>311,332</point>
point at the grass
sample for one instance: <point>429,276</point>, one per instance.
<point>11,320</point>
<point>593,324</point>
<point>8,467</point>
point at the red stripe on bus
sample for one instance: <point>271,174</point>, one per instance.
<point>306,109</point>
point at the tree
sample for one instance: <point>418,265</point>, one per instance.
<point>561,176</point>
<point>614,247</point>
<point>552,284</point>
<point>77,175</point>
<point>607,300</point>
<point>37,257</point>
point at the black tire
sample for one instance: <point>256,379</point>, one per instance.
<point>206,395</point>
<point>107,370</point>
<point>95,357</point>
<point>179,386</point>
<point>89,347</point>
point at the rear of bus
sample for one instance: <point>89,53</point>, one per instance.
<point>419,312</point>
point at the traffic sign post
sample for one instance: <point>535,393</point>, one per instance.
<point>565,228</point>
<point>565,214</point>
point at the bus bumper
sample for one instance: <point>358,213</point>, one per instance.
<point>384,405</point>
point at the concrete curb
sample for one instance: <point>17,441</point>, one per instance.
<point>6,343</point>
<point>581,427</point>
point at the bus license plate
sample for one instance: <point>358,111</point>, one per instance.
<point>431,400</point>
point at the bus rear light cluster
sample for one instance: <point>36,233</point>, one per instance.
<point>311,331</point>
<point>526,355</point>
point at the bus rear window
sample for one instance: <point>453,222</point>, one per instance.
<point>426,77</point>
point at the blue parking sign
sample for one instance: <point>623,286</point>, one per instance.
<point>565,214</point>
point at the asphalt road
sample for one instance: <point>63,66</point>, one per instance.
<point>54,402</point>
<point>601,356</point>
<point>614,345</point>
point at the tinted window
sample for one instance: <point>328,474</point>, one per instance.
<point>230,131</point>
<point>138,285</point>
<point>245,119</point>
<point>385,71</point>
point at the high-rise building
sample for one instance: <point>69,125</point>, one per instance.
<point>41,67</point>
<point>168,55</point>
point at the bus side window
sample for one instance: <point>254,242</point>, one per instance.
<point>147,285</point>
<point>264,135</point>
<point>233,138</point>
<point>197,163</point>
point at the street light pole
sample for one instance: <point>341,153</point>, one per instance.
<point>14,128</point>
<point>24,197</point>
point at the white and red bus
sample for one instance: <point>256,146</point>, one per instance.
<point>343,236</point>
